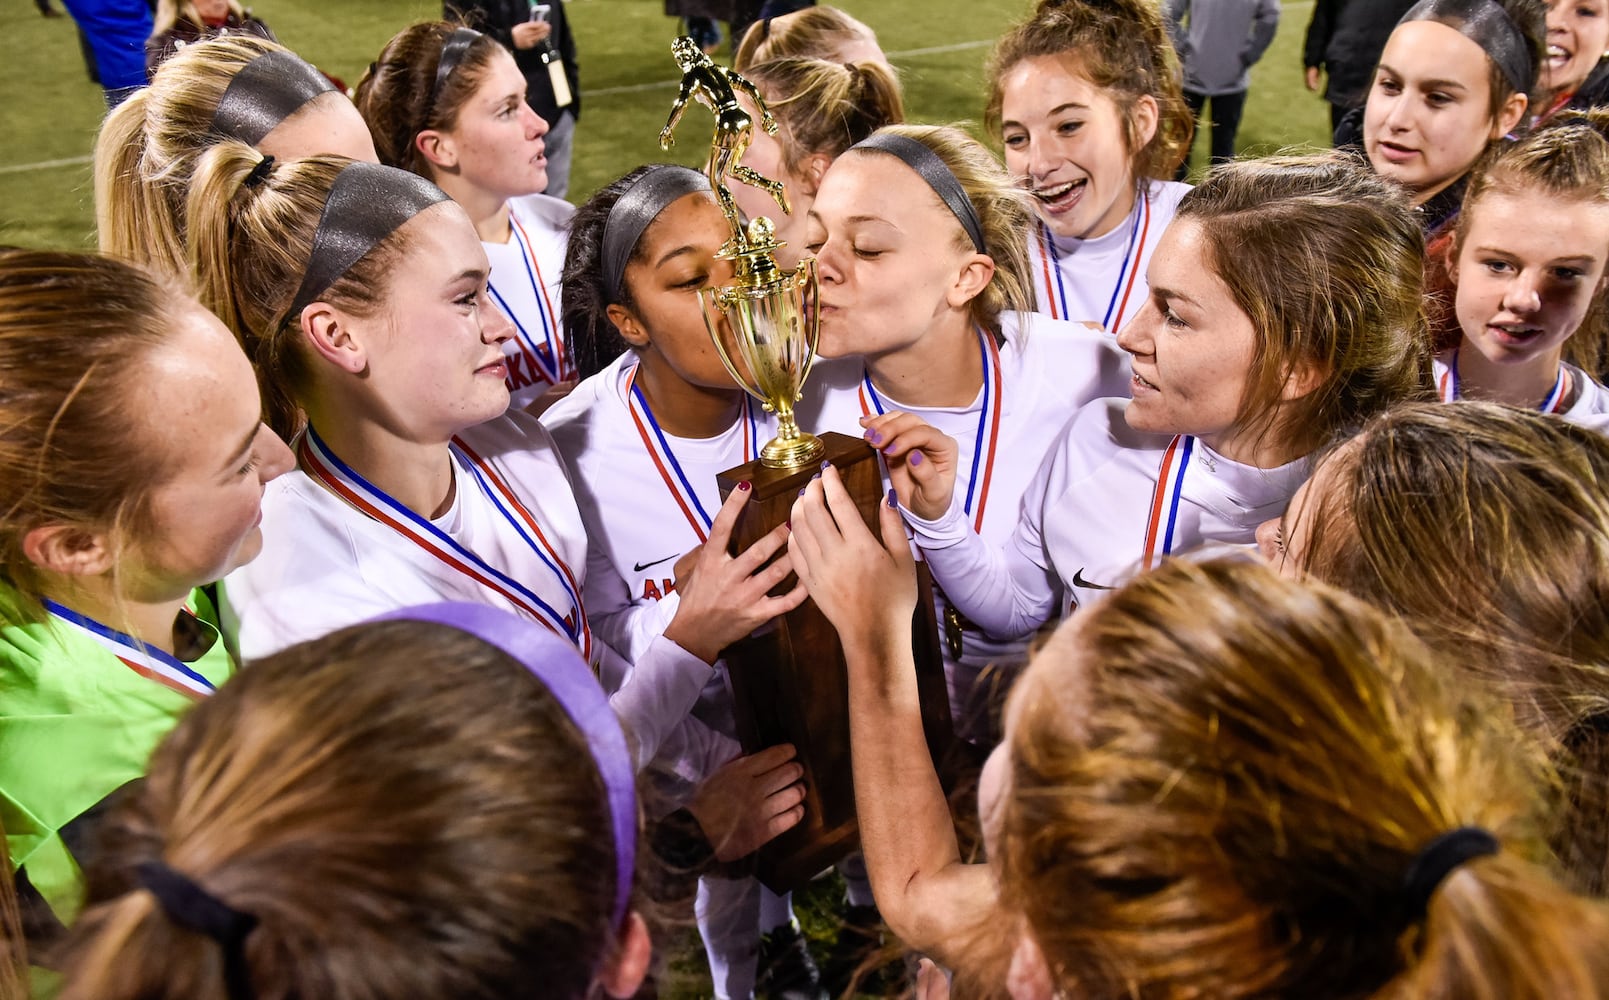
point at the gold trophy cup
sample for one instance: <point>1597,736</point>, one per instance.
<point>789,680</point>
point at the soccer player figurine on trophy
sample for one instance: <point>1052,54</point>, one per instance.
<point>788,681</point>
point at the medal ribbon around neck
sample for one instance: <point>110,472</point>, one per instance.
<point>559,369</point>
<point>368,499</point>
<point>1165,498</point>
<point>1050,260</point>
<point>1449,388</point>
<point>147,661</point>
<point>664,459</point>
<point>988,435</point>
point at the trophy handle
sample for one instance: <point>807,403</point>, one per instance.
<point>815,318</point>
<point>711,305</point>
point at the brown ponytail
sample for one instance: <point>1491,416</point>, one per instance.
<point>1221,781</point>
<point>404,810</point>
<point>826,107</point>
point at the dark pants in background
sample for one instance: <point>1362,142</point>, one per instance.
<point>1225,122</point>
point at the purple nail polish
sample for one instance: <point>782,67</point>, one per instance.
<point>893,500</point>
<point>874,436</point>
<point>916,458</point>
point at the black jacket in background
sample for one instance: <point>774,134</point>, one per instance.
<point>1345,38</point>
<point>497,18</point>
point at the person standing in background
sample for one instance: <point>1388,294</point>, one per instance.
<point>538,34</point>
<point>1218,46</point>
<point>1344,42</point>
<point>116,31</point>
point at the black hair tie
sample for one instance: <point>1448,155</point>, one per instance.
<point>1439,859</point>
<point>193,908</point>
<point>259,173</point>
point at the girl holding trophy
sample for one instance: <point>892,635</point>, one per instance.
<point>926,310</point>
<point>654,420</point>
<point>1240,370</point>
<point>448,103</point>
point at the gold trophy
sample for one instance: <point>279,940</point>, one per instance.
<point>789,681</point>
<point>767,311</point>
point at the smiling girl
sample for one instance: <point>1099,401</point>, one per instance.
<point>1240,369</point>
<point>1085,98</point>
<point>1455,77</point>
<point>448,103</point>
<point>117,505</point>
<point>1575,74</point>
<point>362,292</point>
<point>1528,260</point>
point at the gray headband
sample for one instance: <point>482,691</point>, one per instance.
<point>1488,25</point>
<point>938,176</point>
<point>638,206</point>
<point>367,203</point>
<point>265,92</point>
<point>453,51</point>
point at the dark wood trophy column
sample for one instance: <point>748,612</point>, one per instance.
<point>789,681</point>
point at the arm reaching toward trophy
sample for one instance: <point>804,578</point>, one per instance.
<point>1004,594</point>
<point>867,589</point>
<point>749,802</point>
<point>920,459</point>
<point>726,597</point>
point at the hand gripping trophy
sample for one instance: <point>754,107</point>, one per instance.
<point>788,680</point>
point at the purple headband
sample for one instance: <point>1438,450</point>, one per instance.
<point>554,661</point>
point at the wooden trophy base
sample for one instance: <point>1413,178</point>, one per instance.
<point>789,681</point>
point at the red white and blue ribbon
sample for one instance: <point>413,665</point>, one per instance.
<point>988,433</point>
<point>368,499</point>
<point>1055,281</point>
<point>147,661</point>
<point>664,458</point>
<point>551,364</point>
<point>1449,388</point>
<point>1162,522</point>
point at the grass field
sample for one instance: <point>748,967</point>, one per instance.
<point>50,110</point>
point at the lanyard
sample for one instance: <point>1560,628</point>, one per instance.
<point>664,459</point>
<point>1449,388</point>
<point>1165,497</point>
<point>1056,291</point>
<point>988,433</point>
<point>547,357</point>
<point>374,502</point>
<point>147,661</point>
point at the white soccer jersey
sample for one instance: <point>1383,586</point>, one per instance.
<point>1110,501</point>
<point>1576,394</point>
<point>647,498</point>
<point>1040,376</point>
<point>1102,280</point>
<point>525,283</point>
<point>513,538</point>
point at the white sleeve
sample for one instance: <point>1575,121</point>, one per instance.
<point>656,692</point>
<point>1008,593</point>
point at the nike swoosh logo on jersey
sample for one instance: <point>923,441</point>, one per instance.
<point>639,567</point>
<point>1079,581</point>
